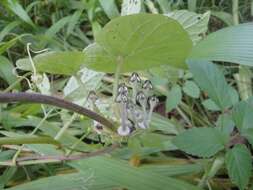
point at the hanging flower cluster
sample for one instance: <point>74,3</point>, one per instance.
<point>135,109</point>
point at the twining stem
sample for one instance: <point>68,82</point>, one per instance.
<point>14,84</point>
<point>54,101</point>
<point>117,75</point>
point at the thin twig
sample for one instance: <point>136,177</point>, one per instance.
<point>59,158</point>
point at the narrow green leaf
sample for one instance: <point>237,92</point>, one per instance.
<point>48,128</point>
<point>66,63</point>
<point>6,176</point>
<point>191,89</point>
<point>77,181</point>
<point>96,28</point>
<point>8,28</point>
<point>27,140</point>
<point>210,105</point>
<point>210,79</point>
<point>164,5</point>
<point>110,8</point>
<point>163,124</point>
<point>6,71</point>
<point>122,175</point>
<point>137,42</point>
<point>202,142</point>
<point>17,9</point>
<point>73,21</point>
<point>238,162</point>
<point>174,170</point>
<point>232,44</point>
<point>6,45</point>
<point>56,27</point>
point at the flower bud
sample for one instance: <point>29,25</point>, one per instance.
<point>121,98</point>
<point>134,78</point>
<point>123,89</point>
<point>147,85</point>
<point>140,97</point>
<point>93,96</point>
<point>153,101</point>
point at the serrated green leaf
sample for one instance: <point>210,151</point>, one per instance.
<point>138,42</point>
<point>242,115</point>
<point>174,97</point>
<point>191,89</point>
<point>210,79</point>
<point>232,44</point>
<point>238,162</point>
<point>225,124</point>
<point>66,63</point>
<point>210,105</point>
<point>202,142</point>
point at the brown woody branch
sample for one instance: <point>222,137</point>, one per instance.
<point>54,101</point>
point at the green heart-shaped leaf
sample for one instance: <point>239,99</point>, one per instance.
<point>139,41</point>
<point>66,63</point>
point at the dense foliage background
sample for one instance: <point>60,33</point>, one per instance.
<point>200,135</point>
